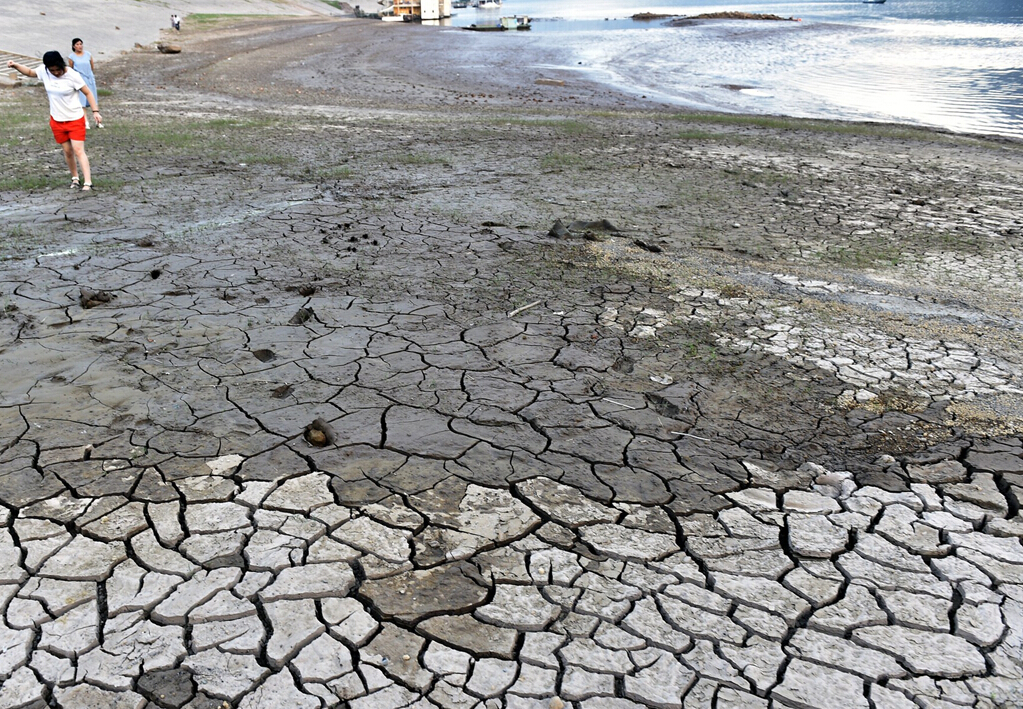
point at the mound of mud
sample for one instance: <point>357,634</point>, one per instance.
<point>733,15</point>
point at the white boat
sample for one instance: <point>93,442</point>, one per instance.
<point>515,22</point>
<point>488,4</point>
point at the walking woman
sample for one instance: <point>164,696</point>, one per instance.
<point>67,117</point>
<point>81,61</point>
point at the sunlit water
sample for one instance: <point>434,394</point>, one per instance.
<point>956,64</point>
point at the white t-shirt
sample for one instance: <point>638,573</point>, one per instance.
<point>63,93</point>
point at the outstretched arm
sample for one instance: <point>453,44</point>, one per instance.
<point>93,103</point>
<point>22,69</point>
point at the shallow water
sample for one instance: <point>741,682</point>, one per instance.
<point>956,64</point>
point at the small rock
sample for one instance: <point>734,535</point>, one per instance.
<point>652,248</point>
<point>282,391</point>
<point>559,231</point>
<point>302,316</point>
<point>92,298</point>
<point>319,433</point>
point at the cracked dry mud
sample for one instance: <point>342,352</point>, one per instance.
<point>777,464</point>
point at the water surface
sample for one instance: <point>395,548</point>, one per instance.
<point>955,64</point>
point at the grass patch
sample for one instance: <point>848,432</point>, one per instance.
<point>698,135</point>
<point>31,181</point>
<point>206,138</point>
<point>20,117</point>
<point>561,161</point>
<point>212,18</point>
<point>335,172</point>
<point>238,123</point>
<point>565,126</point>
<point>104,92</point>
<point>265,159</point>
<point>108,184</point>
<point>420,159</point>
<point>880,130</point>
<point>18,241</point>
<point>863,256</point>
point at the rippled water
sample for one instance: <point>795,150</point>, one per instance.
<point>957,64</point>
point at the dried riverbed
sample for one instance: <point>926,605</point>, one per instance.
<point>757,446</point>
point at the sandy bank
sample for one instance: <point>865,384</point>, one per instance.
<point>110,27</point>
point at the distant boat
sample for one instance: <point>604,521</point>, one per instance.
<point>873,2</point>
<point>516,22</point>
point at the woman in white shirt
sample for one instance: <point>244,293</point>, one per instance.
<point>67,116</point>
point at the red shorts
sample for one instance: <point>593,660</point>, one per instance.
<point>64,131</point>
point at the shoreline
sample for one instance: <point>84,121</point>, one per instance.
<point>146,24</point>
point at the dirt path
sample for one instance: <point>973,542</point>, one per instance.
<point>306,401</point>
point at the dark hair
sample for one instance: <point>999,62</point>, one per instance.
<point>54,58</point>
<point>75,41</point>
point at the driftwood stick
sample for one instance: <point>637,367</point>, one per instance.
<point>524,307</point>
<point>618,403</point>
<point>699,438</point>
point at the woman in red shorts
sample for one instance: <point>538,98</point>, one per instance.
<point>67,116</point>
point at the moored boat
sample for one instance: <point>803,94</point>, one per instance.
<point>515,22</point>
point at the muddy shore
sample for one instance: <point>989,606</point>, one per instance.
<point>767,370</point>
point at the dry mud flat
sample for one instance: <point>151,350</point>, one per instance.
<point>760,447</point>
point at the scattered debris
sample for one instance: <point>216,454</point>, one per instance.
<point>301,317</point>
<point>524,307</point>
<point>319,433</point>
<point>689,435</point>
<point>652,248</point>
<point>169,48</point>
<point>559,230</point>
<point>618,403</point>
<point>587,229</point>
<point>92,298</point>
<point>596,225</point>
<point>282,391</point>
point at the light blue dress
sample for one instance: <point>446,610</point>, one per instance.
<point>83,65</point>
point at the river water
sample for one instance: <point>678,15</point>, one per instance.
<point>955,64</point>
